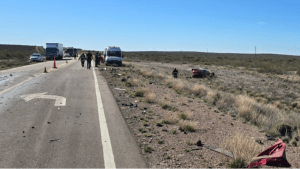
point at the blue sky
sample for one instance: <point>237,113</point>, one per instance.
<point>229,26</point>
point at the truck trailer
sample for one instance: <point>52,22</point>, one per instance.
<point>54,50</point>
<point>112,55</point>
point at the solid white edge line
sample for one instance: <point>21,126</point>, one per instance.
<point>109,161</point>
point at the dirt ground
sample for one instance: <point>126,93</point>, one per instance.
<point>165,145</point>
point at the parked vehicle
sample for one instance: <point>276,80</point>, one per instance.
<point>54,50</point>
<point>36,57</point>
<point>112,55</point>
<point>67,55</point>
<point>72,52</point>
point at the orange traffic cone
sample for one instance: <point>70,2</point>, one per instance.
<point>54,64</point>
<point>45,70</point>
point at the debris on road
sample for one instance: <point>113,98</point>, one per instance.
<point>54,140</point>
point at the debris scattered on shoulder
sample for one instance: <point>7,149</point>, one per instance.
<point>119,89</point>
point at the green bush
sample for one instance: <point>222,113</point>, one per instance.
<point>183,116</point>
<point>237,163</point>
<point>148,149</point>
<point>139,93</point>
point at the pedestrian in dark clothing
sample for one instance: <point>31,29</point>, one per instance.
<point>97,59</point>
<point>175,73</point>
<point>82,58</point>
<point>89,59</point>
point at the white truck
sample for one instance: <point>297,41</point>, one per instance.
<point>54,50</point>
<point>112,55</point>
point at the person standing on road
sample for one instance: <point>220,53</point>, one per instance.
<point>82,58</point>
<point>89,59</point>
<point>97,59</point>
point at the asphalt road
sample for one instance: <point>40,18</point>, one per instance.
<point>62,119</point>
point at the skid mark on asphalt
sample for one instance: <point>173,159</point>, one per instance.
<point>109,161</point>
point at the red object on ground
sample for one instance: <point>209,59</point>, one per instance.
<point>272,156</point>
<point>54,64</point>
<point>45,70</point>
<point>197,73</point>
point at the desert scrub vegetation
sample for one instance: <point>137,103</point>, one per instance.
<point>243,147</point>
<point>16,55</point>
<point>187,125</point>
<point>258,112</point>
<point>264,63</point>
<point>132,82</point>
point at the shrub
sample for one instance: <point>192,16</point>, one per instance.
<point>148,149</point>
<point>160,141</point>
<point>183,116</point>
<point>172,118</point>
<point>173,131</point>
<point>237,163</point>
<point>199,90</point>
<point>139,93</point>
<point>243,146</point>
<point>142,130</point>
<point>166,107</point>
<point>187,126</point>
<point>150,97</point>
<point>178,85</point>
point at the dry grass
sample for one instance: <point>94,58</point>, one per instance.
<point>160,76</point>
<point>199,90</point>
<point>178,85</point>
<point>150,97</point>
<point>146,73</point>
<point>244,105</point>
<point>145,90</point>
<point>243,146</point>
<point>187,125</point>
<point>172,118</point>
<point>132,82</point>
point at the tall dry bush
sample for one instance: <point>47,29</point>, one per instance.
<point>146,73</point>
<point>243,146</point>
<point>199,90</point>
<point>172,118</point>
<point>160,76</point>
<point>150,97</point>
<point>178,85</point>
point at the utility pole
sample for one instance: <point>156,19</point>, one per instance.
<point>255,50</point>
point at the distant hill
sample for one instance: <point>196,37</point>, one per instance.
<point>19,51</point>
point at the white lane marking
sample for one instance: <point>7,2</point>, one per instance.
<point>109,161</point>
<point>59,100</point>
<point>5,90</point>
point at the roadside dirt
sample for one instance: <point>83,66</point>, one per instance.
<point>168,146</point>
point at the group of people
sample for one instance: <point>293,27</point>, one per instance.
<point>89,58</point>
